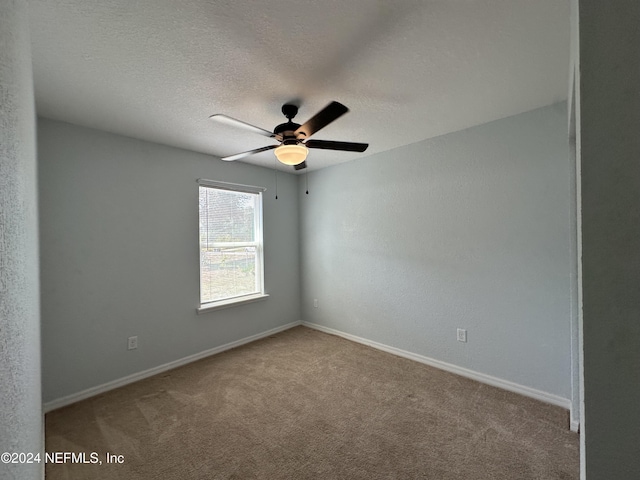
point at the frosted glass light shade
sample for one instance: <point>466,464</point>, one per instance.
<point>291,154</point>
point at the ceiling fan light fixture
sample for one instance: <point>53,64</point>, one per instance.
<point>291,154</point>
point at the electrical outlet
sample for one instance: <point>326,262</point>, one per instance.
<point>132,343</point>
<point>315,303</point>
<point>462,335</point>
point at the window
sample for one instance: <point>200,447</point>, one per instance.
<point>231,269</point>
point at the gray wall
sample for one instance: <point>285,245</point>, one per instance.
<point>21,425</point>
<point>119,250</point>
<point>466,230</point>
<point>609,141</point>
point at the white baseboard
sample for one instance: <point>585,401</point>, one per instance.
<point>574,425</point>
<point>105,387</point>
<point>464,372</point>
<point>480,377</point>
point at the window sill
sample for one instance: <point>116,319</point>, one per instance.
<point>232,302</point>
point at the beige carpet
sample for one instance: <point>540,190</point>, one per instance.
<point>307,405</point>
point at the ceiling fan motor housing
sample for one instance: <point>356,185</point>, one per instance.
<point>287,131</point>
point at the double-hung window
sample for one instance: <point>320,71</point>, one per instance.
<point>231,260</point>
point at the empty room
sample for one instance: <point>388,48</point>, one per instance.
<point>319,240</point>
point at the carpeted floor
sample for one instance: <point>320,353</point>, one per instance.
<point>306,405</point>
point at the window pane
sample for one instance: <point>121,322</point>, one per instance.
<point>227,272</point>
<point>230,244</point>
<point>226,216</point>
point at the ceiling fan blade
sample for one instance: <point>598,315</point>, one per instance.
<point>300,166</point>
<point>321,119</point>
<point>218,117</point>
<point>238,156</point>
<point>330,145</point>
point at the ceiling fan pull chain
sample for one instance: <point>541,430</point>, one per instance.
<point>306,178</point>
<point>275,170</point>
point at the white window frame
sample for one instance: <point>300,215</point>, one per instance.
<point>258,244</point>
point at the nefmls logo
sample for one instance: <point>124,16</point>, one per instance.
<point>72,457</point>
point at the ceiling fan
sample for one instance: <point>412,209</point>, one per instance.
<point>294,138</point>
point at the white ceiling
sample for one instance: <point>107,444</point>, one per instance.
<point>407,69</point>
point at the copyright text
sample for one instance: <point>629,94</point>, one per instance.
<point>61,457</point>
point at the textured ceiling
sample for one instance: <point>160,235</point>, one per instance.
<point>408,70</point>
